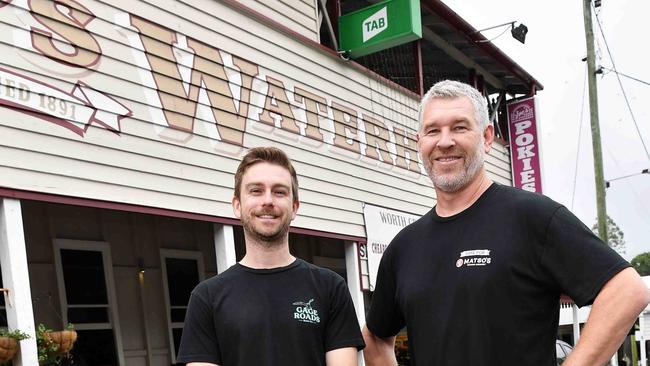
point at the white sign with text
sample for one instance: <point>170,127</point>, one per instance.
<point>382,224</point>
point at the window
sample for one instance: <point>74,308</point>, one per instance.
<point>182,271</point>
<point>87,293</point>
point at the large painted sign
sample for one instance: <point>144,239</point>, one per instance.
<point>382,224</point>
<point>524,145</point>
<point>57,56</point>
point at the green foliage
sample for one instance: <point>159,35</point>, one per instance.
<point>642,263</point>
<point>47,349</point>
<point>15,334</point>
<point>615,236</point>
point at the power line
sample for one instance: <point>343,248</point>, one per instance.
<point>627,76</point>
<point>637,197</point>
<point>582,109</point>
<point>627,102</point>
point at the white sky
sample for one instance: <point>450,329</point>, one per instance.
<point>554,47</point>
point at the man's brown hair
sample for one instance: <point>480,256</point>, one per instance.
<point>271,155</point>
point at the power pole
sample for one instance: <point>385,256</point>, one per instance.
<point>595,128</point>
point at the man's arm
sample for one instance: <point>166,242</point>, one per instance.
<point>615,309</point>
<point>341,357</point>
<point>379,351</point>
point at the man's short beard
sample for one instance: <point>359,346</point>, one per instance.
<point>266,240</point>
<point>464,177</point>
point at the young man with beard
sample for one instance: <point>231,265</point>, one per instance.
<point>477,280</point>
<point>270,308</point>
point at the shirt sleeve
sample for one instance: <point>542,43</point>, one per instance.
<point>342,327</point>
<point>577,259</point>
<point>385,318</point>
<point>199,341</point>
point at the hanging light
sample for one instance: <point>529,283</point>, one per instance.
<point>519,32</point>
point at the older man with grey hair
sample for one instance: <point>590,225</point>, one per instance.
<point>477,280</point>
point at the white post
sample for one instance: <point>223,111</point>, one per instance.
<point>641,338</point>
<point>15,277</point>
<point>576,324</point>
<point>143,314</point>
<point>354,285</point>
<point>224,247</point>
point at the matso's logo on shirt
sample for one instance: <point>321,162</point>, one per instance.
<point>305,313</point>
<point>476,257</point>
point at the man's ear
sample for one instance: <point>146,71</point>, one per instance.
<point>236,207</point>
<point>296,205</point>
<point>488,135</point>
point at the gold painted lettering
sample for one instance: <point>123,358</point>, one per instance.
<point>68,19</point>
<point>406,143</point>
<point>208,70</point>
<point>345,123</point>
<point>313,104</point>
<point>278,103</point>
<point>377,138</point>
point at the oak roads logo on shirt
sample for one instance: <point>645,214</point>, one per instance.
<point>472,258</point>
<point>305,313</point>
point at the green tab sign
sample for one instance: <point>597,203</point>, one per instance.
<point>380,26</point>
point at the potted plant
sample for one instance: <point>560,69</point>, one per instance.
<point>9,343</point>
<point>54,346</point>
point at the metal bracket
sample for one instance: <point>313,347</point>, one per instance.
<point>7,298</point>
<point>326,16</point>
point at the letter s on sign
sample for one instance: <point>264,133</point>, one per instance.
<point>68,19</point>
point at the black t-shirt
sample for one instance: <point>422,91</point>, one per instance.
<point>290,315</point>
<point>482,287</point>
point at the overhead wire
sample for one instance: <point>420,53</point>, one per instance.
<point>638,201</point>
<point>620,83</point>
<point>637,196</point>
<point>627,76</point>
<point>582,109</point>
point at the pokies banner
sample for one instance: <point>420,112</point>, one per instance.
<point>524,145</point>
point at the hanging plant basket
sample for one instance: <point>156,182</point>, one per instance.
<point>8,349</point>
<point>53,346</point>
<point>9,343</point>
<point>64,339</point>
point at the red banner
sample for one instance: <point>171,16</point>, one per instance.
<point>524,145</point>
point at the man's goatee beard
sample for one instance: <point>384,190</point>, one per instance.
<point>456,183</point>
<point>266,240</point>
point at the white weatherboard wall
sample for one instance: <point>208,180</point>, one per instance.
<point>301,16</point>
<point>156,102</point>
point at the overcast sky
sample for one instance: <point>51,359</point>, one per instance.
<point>554,47</point>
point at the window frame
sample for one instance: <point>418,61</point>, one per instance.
<point>107,262</point>
<point>176,254</point>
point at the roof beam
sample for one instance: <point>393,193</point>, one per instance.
<point>459,56</point>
